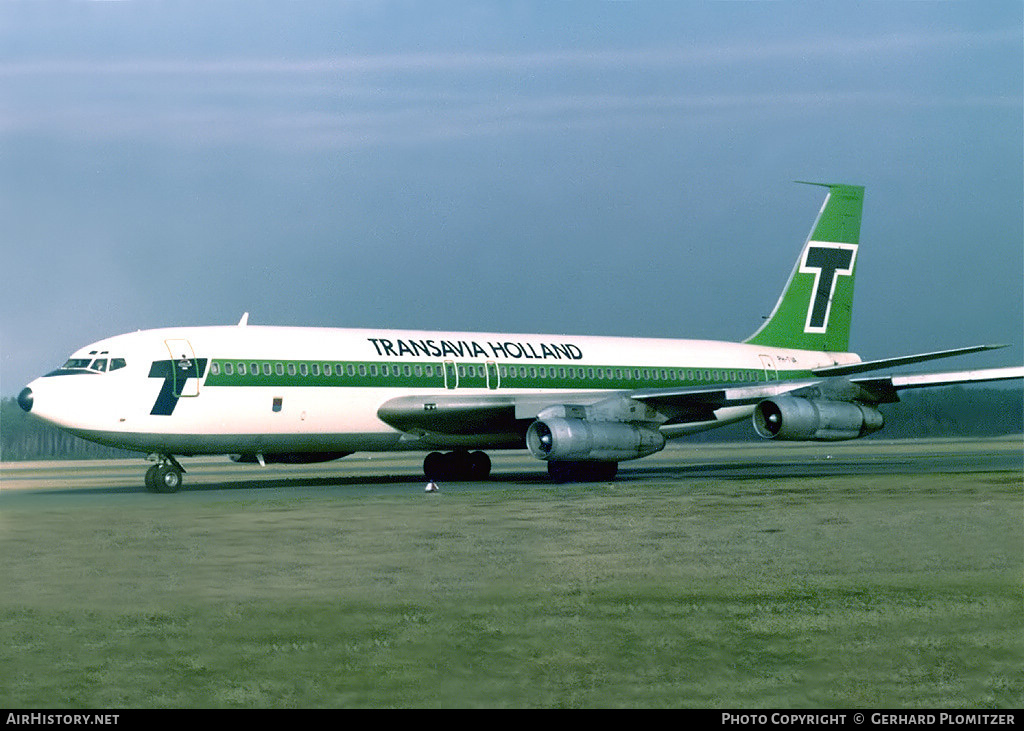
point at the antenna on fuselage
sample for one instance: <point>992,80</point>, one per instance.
<point>245,320</point>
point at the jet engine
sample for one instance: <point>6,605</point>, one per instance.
<point>566,440</point>
<point>791,418</point>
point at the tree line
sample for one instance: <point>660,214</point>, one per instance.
<point>947,412</point>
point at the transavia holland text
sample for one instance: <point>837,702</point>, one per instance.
<point>473,349</point>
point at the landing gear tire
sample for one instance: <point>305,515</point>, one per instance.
<point>168,478</point>
<point>561,472</point>
<point>434,466</point>
<point>457,466</point>
<point>153,479</point>
<point>166,475</point>
<point>479,466</point>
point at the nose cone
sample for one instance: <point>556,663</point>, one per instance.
<point>25,399</point>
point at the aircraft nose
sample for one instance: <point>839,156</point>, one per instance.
<point>25,399</point>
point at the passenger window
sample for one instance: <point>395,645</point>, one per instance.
<point>314,369</point>
<point>228,369</point>
<point>214,368</point>
<point>241,369</point>
<point>279,369</point>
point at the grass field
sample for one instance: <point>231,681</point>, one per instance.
<point>879,591</point>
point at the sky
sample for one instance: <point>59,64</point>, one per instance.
<point>607,168</point>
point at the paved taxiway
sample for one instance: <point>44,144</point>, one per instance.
<point>215,478</point>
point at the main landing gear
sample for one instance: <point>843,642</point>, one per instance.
<point>456,466</point>
<point>166,475</point>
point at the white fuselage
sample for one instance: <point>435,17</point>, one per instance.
<point>193,390</point>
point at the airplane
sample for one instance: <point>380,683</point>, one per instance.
<point>582,404</point>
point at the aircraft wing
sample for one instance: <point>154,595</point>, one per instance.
<point>466,415</point>
<point>878,389</point>
<point>874,365</point>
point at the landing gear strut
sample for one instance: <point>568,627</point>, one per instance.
<point>457,466</point>
<point>166,475</point>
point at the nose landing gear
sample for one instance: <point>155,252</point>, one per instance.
<point>166,475</point>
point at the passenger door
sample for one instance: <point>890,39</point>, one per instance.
<point>185,368</point>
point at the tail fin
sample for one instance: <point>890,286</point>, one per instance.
<point>814,310</point>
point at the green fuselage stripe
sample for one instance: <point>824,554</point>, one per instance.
<point>377,374</point>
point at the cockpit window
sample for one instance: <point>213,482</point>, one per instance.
<point>77,363</point>
<point>94,365</point>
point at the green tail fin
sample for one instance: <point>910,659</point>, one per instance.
<point>815,308</point>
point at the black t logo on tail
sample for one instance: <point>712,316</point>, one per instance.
<point>826,262</point>
<point>175,374</point>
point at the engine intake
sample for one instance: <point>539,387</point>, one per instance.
<point>558,439</point>
<point>791,418</point>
